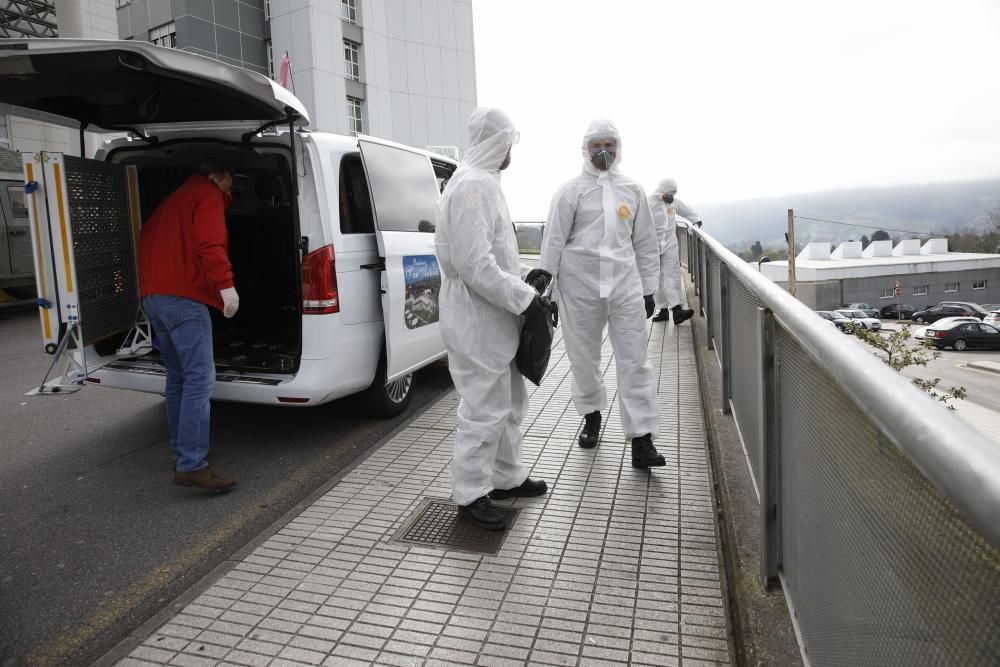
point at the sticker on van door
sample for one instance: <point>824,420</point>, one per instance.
<point>423,283</point>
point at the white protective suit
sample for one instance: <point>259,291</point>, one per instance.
<point>670,291</point>
<point>482,298</point>
<point>600,247</point>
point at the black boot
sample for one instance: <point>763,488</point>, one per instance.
<point>529,488</point>
<point>682,315</point>
<point>591,429</point>
<point>644,455</point>
<point>482,513</point>
<point>662,316</point>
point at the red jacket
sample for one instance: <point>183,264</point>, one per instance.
<point>183,245</point>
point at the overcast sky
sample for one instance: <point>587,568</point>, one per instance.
<point>740,99</point>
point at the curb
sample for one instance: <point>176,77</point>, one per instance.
<point>987,366</point>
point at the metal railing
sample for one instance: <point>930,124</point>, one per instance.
<point>879,508</point>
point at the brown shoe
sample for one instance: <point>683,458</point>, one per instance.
<point>204,478</point>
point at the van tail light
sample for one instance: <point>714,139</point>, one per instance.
<point>319,283</point>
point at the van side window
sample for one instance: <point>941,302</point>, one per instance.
<point>404,189</point>
<point>355,202</point>
<point>17,201</point>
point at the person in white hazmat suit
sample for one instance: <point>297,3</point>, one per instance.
<point>600,247</point>
<point>481,302</point>
<point>670,293</point>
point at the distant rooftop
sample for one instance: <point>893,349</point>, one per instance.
<point>849,260</point>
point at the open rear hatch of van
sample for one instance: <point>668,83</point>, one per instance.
<point>145,89</point>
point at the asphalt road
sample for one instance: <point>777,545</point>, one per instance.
<point>952,368</point>
<point>96,538</point>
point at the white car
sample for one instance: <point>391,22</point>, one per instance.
<point>942,324</point>
<point>331,237</point>
<point>870,323</point>
<point>993,318</point>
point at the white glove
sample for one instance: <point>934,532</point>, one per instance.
<point>230,301</point>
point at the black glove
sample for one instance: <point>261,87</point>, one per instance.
<point>650,305</point>
<point>539,304</point>
<point>539,279</point>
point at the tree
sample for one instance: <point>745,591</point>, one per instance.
<point>880,235</point>
<point>895,350</point>
<point>756,250</point>
<point>865,242</point>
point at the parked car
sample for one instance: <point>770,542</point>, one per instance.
<point>329,235</point>
<point>965,336</point>
<point>949,309</point>
<point>868,310</point>
<point>988,307</point>
<point>17,271</point>
<point>859,316</point>
<point>993,317</point>
<point>901,311</point>
<point>945,323</point>
<point>833,317</point>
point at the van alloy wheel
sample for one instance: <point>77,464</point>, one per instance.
<point>398,390</point>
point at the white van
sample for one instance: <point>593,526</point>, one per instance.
<point>330,237</point>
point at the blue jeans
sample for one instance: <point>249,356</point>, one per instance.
<point>184,337</point>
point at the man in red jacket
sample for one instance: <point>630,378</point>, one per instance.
<point>183,269</point>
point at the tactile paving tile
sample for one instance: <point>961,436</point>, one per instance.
<point>437,523</point>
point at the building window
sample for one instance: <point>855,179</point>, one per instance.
<point>978,284</point>
<point>164,35</point>
<point>122,3</point>
<point>920,290</point>
<point>951,287</point>
<point>270,58</point>
<point>888,293</point>
<point>349,11</point>
<point>352,62</point>
<point>355,119</point>
<point>4,131</point>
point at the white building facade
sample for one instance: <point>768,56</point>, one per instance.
<point>402,70</point>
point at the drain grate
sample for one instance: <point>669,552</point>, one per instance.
<point>436,523</point>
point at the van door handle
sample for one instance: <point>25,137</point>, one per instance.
<point>17,232</point>
<point>378,266</point>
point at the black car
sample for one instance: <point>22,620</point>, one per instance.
<point>967,336</point>
<point>949,309</point>
<point>902,311</point>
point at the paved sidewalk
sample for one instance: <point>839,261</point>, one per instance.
<point>613,566</point>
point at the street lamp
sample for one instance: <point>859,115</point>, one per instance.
<point>762,260</point>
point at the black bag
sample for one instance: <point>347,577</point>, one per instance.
<point>535,345</point>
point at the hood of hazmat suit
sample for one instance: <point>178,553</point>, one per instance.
<point>599,237</point>
<point>665,215</point>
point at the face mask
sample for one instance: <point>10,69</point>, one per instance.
<point>506,161</point>
<point>603,159</point>
<point>668,198</point>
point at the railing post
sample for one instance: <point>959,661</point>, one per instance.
<point>708,297</point>
<point>770,448</point>
<point>725,346</point>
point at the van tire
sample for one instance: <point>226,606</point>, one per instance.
<point>382,400</point>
